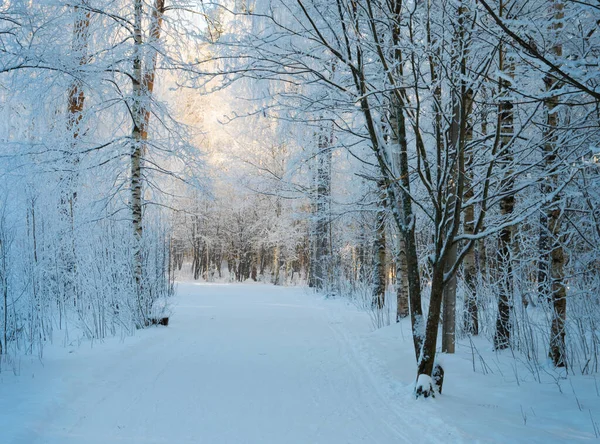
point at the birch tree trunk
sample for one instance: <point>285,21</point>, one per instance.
<point>276,260</point>
<point>449,291</point>
<point>137,111</point>
<point>556,291</point>
<point>469,263</point>
<point>322,211</point>
<point>402,309</point>
<point>379,278</point>
<point>142,86</point>
<point>398,132</point>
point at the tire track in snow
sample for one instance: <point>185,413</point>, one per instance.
<point>240,365</point>
<point>423,426</point>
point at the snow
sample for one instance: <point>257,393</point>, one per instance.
<point>424,383</point>
<point>265,364</point>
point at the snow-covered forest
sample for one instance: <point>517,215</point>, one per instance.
<point>434,164</point>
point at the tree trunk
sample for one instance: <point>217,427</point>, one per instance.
<point>75,104</point>
<point>276,253</point>
<point>379,245</point>
<point>455,155</point>
<point>559,294</point>
<point>402,310</point>
<point>142,86</point>
<point>556,291</point>
<point>398,137</point>
<point>407,232</point>
<point>136,157</point>
<point>426,361</point>
<point>322,210</point>
<point>402,207</point>
<point>449,304</point>
<point>469,262</point>
<point>507,203</point>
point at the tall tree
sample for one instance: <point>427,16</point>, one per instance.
<point>507,202</point>
<point>551,236</point>
<point>471,312</point>
<point>75,104</point>
<point>142,78</point>
<point>379,250</point>
<point>322,210</point>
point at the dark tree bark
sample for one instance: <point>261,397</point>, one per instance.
<point>507,203</point>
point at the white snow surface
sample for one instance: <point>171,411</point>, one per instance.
<point>265,364</point>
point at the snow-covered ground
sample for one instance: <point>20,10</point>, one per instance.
<point>265,364</point>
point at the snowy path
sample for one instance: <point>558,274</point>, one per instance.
<point>238,364</point>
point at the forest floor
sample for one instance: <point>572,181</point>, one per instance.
<point>264,364</point>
